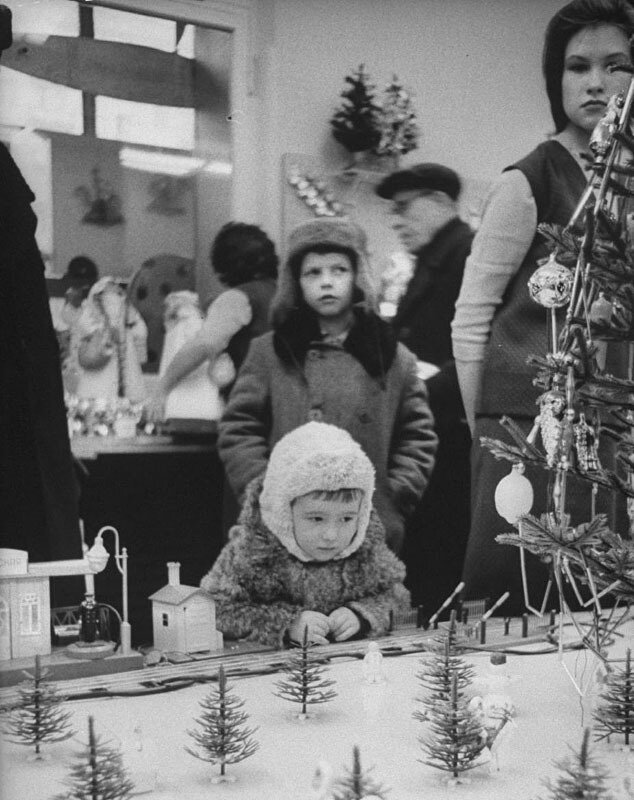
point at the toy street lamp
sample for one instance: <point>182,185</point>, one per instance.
<point>97,558</point>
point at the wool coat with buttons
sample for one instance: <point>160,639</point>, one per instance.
<point>368,386</point>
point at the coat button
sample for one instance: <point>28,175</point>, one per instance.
<point>313,354</point>
<point>364,417</point>
<point>315,415</point>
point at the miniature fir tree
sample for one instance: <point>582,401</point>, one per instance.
<point>355,124</point>
<point>396,121</point>
<point>581,777</point>
<point>39,717</point>
<point>304,682</point>
<point>437,672</point>
<point>223,738</point>
<point>616,713</point>
<point>357,784</point>
<point>456,740</point>
<point>98,772</point>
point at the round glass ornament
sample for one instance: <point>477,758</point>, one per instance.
<point>514,495</point>
<point>551,284</point>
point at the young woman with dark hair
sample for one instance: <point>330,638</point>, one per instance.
<point>497,325</point>
<point>245,260</point>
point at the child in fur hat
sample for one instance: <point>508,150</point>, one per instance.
<point>330,358</point>
<point>308,551</point>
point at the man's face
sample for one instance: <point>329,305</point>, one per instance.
<point>417,216</point>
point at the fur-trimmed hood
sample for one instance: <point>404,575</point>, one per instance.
<point>370,340</point>
<point>337,231</point>
<point>314,457</point>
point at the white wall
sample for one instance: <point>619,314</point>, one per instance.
<point>473,65</point>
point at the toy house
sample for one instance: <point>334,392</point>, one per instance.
<point>25,628</point>
<point>183,617</point>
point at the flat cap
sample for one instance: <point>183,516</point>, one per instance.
<point>428,176</point>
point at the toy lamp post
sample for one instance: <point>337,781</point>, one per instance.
<point>97,558</point>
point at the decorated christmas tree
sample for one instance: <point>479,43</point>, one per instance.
<point>357,783</point>
<point>304,682</point>
<point>355,124</point>
<point>457,739</point>
<point>396,121</point>
<point>585,424</point>
<point>223,737</point>
<point>615,715</point>
<point>581,777</point>
<point>438,671</point>
<point>39,717</point>
<point>98,773</point>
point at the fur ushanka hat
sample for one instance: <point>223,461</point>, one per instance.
<point>314,457</point>
<point>337,231</point>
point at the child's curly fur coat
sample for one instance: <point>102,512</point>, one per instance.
<point>259,587</point>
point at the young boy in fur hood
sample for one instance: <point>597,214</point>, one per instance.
<point>308,551</point>
<point>330,358</point>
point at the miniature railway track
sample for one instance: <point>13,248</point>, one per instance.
<point>166,676</point>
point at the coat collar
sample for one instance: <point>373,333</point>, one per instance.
<point>430,259</point>
<point>371,340</point>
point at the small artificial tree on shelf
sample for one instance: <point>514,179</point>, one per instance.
<point>304,682</point>
<point>223,738</point>
<point>357,783</point>
<point>355,124</point>
<point>39,717</point>
<point>98,772</point>
<point>456,741</point>
<point>581,776</point>
<point>396,121</point>
<point>437,672</point>
<point>616,714</point>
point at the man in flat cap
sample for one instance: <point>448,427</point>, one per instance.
<point>425,217</point>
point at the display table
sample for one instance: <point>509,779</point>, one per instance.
<point>164,495</point>
<point>376,717</point>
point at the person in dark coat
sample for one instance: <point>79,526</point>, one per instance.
<point>425,213</point>
<point>38,488</point>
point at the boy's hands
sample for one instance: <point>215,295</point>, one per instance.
<point>318,626</point>
<point>344,623</point>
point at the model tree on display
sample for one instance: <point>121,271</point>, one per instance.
<point>98,772</point>
<point>223,737</point>
<point>39,718</point>
<point>615,715</point>
<point>354,124</point>
<point>357,783</point>
<point>584,407</point>
<point>304,682</point>
<point>396,122</point>
<point>581,776</point>
<point>455,743</point>
<point>438,671</point>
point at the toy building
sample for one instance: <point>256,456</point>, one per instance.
<point>183,617</point>
<point>25,610</point>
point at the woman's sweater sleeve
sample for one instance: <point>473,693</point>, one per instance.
<point>503,239</point>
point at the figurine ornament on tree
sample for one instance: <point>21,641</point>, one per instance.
<point>98,773</point>
<point>396,121</point>
<point>581,777</point>
<point>223,738</point>
<point>357,783</point>
<point>456,741</point>
<point>616,714</point>
<point>39,718</point>
<point>304,682</point>
<point>355,125</point>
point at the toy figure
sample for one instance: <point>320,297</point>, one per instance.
<point>372,664</point>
